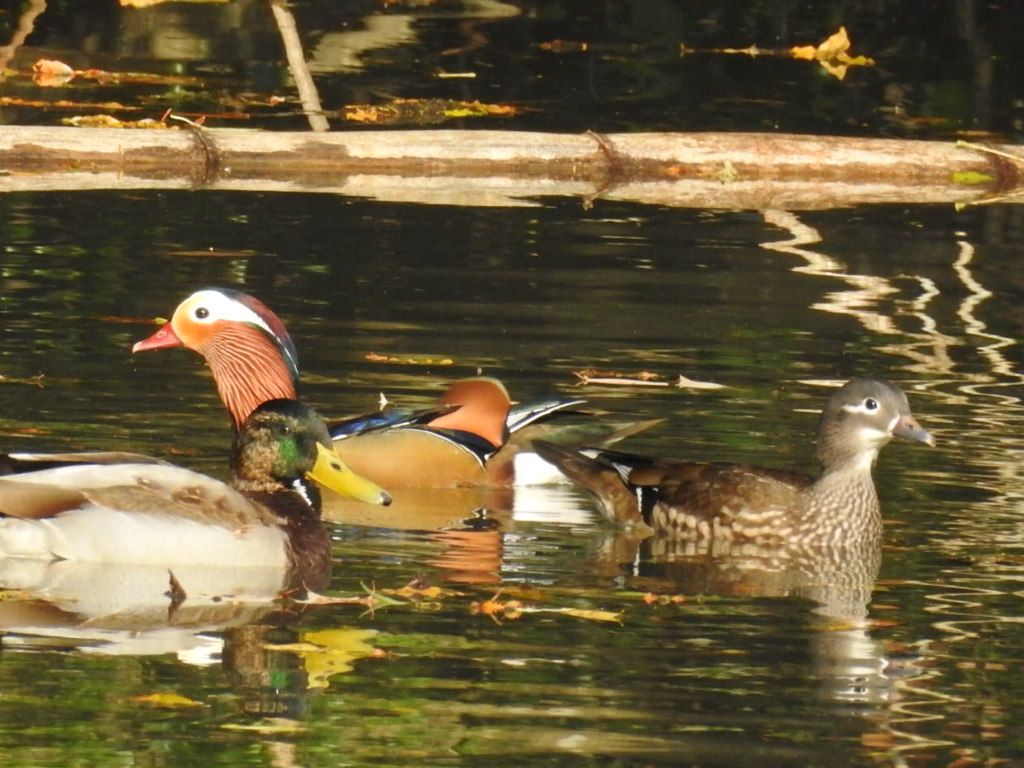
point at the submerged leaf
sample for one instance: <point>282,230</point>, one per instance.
<point>167,700</point>
<point>328,652</point>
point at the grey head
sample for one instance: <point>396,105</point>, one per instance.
<point>859,418</point>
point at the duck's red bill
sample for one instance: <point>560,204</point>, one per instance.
<point>165,337</point>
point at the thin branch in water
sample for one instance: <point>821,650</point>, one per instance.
<point>297,64</point>
<point>25,25</point>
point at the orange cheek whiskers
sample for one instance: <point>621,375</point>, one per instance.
<point>248,369</point>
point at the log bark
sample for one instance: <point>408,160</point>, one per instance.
<point>706,170</point>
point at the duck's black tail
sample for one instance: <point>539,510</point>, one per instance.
<point>614,497</point>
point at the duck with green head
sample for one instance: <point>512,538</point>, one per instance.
<point>266,516</point>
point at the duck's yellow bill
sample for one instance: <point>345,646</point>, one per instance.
<point>330,472</point>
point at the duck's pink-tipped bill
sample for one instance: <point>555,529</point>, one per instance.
<point>165,337</point>
<point>908,428</point>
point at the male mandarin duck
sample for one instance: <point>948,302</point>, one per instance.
<point>717,507</point>
<point>151,513</point>
<point>463,441</point>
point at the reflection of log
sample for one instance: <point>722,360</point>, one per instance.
<point>709,170</point>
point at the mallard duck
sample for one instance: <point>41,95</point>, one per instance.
<point>462,441</point>
<point>716,506</point>
<point>266,516</point>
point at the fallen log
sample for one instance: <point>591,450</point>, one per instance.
<point>706,170</point>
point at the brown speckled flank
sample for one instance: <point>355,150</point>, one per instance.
<point>716,507</point>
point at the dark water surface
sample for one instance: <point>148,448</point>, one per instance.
<point>917,669</point>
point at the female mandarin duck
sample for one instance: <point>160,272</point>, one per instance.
<point>717,506</point>
<point>253,359</point>
<point>266,517</point>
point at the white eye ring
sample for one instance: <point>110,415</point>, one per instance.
<point>870,404</point>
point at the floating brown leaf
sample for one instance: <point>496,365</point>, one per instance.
<point>36,380</point>
<point>497,610</point>
<point>8,101</point>
<point>652,599</point>
<point>423,111</point>
<point>108,121</point>
<point>564,46</point>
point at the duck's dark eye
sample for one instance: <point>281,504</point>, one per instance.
<point>871,404</point>
<point>202,313</point>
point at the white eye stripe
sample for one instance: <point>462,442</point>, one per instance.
<point>862,408</point>
<point>220,307</point>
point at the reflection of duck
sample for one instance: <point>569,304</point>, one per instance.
<point>164,516</point>
<point>464,440</point>
<point>722,507</point>
<point>126,608</point>
<point>751,532</point>
<point>837,579</point>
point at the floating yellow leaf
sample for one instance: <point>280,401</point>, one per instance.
<point>832,54</point>
<point>581,613</point>
<point>292,647</point>
<point>167,700</point>
<point>805,52</point>
<point>273,726</point>
<point>414,592</point>
<point>374,357</point>
<point>334,652</point>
